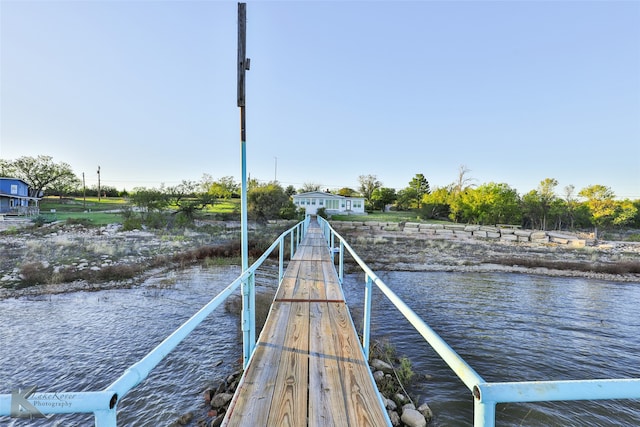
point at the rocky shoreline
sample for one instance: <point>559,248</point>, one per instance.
<point>67,258</point>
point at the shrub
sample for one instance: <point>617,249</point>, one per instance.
<point>35,273</point>
<point>40,220</point>
<point>322,212</point>
<point>86,222</point>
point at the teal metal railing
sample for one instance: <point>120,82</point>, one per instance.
<point>28,403</point>
<point>485,395</point>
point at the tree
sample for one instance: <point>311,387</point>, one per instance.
<point>309,187</point>
<point>346,192</point>
<point>368,183</point>
<point>571,204</point>
<point>290,191</point>
<point>420,187</point>
<point>436,204</point>
<point>491,204</point>
<point>463,182</point>
<point>383,196</point>
<point>266,201</point>
<point>149,200</point>
<point>64,186</point>
<point>224,188</point>
<point>186,198</point>
<point>601,205</point>
<point>546,190</point>
<point>40,173</point>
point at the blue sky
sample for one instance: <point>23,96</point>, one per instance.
<point>517,91</point>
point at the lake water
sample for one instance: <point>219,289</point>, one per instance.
<point>508,327</point>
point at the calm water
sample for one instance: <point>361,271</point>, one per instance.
<point>512,327</point>
<point>508,327</point>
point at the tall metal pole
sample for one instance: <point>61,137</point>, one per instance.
<point>242,67</point>
<point>248,286</point>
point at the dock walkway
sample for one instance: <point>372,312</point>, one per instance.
<point>308,368</point>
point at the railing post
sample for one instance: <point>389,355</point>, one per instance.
<point>248,318</point>
<point>332,237</point>
<point>106,418</point>
<point>366,329</point>
<point>341,263</point>
<point>281,260</point>
<point>484,413</point>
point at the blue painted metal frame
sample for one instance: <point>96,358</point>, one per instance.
<point>103,404</point>
<point>485,395</point>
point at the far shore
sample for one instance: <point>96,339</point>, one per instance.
<point>142,254</point>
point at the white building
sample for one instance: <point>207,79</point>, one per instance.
<point>332,203</point>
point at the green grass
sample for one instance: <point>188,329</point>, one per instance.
<point>98,212</point>
<point>224,206</point>
<point>95,218</point>
<point>394,216</point>
<point>78,205</point>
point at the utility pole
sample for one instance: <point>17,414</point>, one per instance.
<point>98,183</point>
<point>84,193</point>
<point>275,174</point>
<point>243,65</point>
<point>248,285</point>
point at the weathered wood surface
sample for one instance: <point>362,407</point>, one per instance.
<point>308,368</point>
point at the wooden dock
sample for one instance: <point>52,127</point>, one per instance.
<point>308,368</point>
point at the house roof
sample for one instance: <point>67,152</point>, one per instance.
<point>6,178</point>
<point>322,194</point>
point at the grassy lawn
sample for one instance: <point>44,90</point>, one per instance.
<point>78,205</point>
<point>394,216</point>
<point>100,212</point>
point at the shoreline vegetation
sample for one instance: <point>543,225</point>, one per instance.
<point>72,255</point>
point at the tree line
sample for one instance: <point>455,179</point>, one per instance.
<point>461,201</point>
<point>498,203</point>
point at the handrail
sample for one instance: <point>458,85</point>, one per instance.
<point>486,395</point>
<point>103,404</point>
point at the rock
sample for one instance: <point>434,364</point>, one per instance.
<point>394,418</point>
<point>413,418</point>
<point>221,399</point>
<point>400,398</point>
<point>426,412</point>
<point>391,405</point>
<point>217,422</point>
<point>379,365</point>
<point>378,376</point>
<point>185,419</point>
<point>408,406</point>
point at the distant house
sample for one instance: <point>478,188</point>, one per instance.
<point>332,203</point>
<point>15,199</point>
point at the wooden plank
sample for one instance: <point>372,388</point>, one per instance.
<point>327,406</point>
<point>252,400</point>
<point>331,281</point>
<point>359,391</point>
<point>290,397</point>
